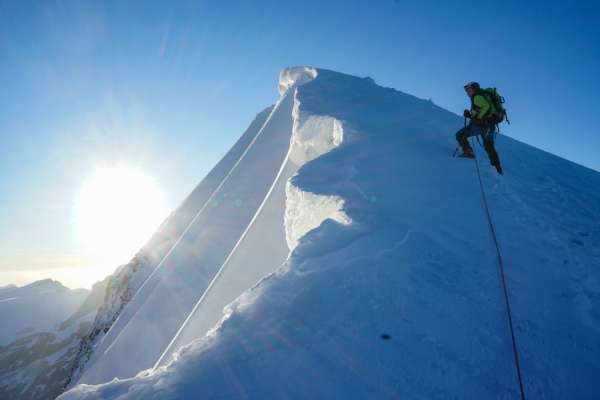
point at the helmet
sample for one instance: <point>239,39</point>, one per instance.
<point>472,85</point>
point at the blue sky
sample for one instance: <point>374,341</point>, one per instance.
<point>169,86</point>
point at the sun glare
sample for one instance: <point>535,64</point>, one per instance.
<point>117,210</point>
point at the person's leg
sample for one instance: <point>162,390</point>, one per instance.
<point>462,139</point>
<point>490,148</point>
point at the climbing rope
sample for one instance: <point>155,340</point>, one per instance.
<point>503,281</point>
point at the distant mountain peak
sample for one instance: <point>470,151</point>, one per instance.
<point>45,284</point>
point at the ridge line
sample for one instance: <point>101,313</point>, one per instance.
<point>159,265</point>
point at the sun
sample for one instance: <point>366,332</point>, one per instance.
<point>117,210</point>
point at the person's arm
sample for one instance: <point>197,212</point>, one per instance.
<point>483,106</point>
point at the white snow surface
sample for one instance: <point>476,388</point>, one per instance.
<point>125,283</point>
<point>235,238</point>
<point>389,237</point>
<point>295,76</point>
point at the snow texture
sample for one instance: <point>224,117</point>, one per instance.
<point>235,238</point>
<point>295,76</point>
<point>392,288</point>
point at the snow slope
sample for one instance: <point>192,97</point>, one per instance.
<point>173,289</point>
<point>128,279</point>
<point>392,287</point>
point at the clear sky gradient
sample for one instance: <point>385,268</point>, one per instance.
<point>169,86</point>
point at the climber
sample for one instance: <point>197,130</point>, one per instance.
<point>483,119</point>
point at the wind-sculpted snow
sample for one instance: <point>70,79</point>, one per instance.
<point>313,136</point>
<point>206,264</point>
<point>295,76</point>
<point>125,283</point>
<point>306,211</point>
<point>131,285</point>
<point>402,298</point>
<point>265,244</point>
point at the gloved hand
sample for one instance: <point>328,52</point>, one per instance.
<point>467,114</point>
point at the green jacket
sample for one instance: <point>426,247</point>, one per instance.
<point>480,108</point>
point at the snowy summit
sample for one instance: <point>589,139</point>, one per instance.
<point>340,251</point>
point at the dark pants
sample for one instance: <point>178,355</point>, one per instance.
<point>486,133</point>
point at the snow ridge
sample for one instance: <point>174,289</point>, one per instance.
<point>205,239</point>
<point>128,280</point>
<point>409,277</point>
<point>291,78</point>
<point>294,77</point>
<point>313,136</point>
